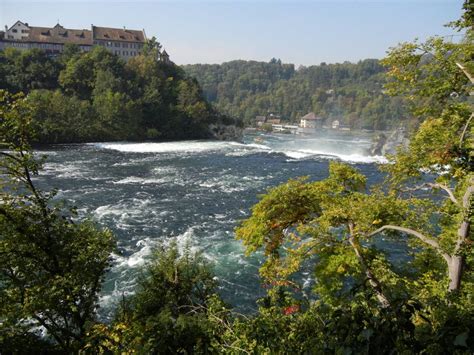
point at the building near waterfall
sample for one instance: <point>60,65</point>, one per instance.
<point>125,43</point>
<point>311,121</point>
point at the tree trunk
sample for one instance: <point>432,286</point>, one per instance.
<point>455,267</point>
<point>456,263</point>
<point>373,281</point>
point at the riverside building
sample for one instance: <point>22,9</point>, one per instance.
<point>121,41</point>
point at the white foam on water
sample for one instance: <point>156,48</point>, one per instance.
<point>102,211</point>
<point>134,209</point>
<point>63,170</point>
<point>76,170</point>
<point>251,145</point>
<point>138,258</point>
<point>142,181</point>
<point>229,183</point>
<point>352,158</point>
<point>240,149</point>
<point>186,240</point>
<point>166,147</point>
<point>296,154</point>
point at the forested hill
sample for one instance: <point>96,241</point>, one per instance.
<point>96,96</point>
<point>349,92</point>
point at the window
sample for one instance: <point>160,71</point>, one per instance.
<point>125,45</point>
<point>14,30</point>
<point>117,44</point>
<point>24,31</point>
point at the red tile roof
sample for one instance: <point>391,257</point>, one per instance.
<point>311,116</point>
<point>117,34</point>
<point>60,35</point>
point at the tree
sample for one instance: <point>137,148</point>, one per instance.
<point>51,267</point>
<point>442,146</point>
<point>169,313</point>
<point>436,77</point>
<point>425,204</point>
<point>299,220</point>
<point>29,70</point>
<point>152,48</point>
<point>246,89</point>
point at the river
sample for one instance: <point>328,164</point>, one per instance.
<point>193,192</point>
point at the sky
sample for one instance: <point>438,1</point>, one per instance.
<point>303,32</point>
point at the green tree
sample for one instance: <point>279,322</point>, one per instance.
<point>28,70</point>
<point>425,204</point>
<point>169,313</point>
<point>152,48</point>
<point>436,77</point>
<point>51,267</point>
<point>336,91</point>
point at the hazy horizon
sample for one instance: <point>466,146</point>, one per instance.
<point>212,32</point>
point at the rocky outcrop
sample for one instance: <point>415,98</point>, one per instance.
<point>383,145</point>
<point>378,144</point>
<point>226,132</point>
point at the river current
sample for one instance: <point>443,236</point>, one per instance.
<point>192,192</point>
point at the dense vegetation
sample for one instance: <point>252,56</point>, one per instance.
<point>96,96</point>
<point>364,301</point>
<point>350,93</point>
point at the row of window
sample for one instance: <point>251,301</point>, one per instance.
<point>59,47</point>
<point>127,53</point>
<point>36,45</point>
<point>117,44</point>
<point>16,44</point>
<point>22,31</point>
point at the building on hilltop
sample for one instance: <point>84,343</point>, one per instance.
<point>121,41</point>
<point>164,56</point>
<point>51,40</point>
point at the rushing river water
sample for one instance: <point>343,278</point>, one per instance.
<point>193,192</point>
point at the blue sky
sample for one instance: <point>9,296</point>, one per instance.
<point>213,31</point>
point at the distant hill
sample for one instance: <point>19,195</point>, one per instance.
<point>349,92</point>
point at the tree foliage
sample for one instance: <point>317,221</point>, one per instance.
<point>366,298</point>
<point>350,93</point>
<point>169,313</point>
<point>425,205</point>
<point>96,96</point>
<point>51,267</point>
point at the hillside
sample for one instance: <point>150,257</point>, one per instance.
<point>97,96</point>
<point>352,93</point>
